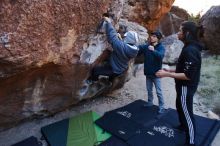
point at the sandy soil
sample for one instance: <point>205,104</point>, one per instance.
<point>132,90</point>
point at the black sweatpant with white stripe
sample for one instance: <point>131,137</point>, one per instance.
<point>184,105</point>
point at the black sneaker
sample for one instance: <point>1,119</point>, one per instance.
<point>88,82</point>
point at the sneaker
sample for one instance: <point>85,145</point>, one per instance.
<point>109,84</point>
<point>161,110</point>
<point>148,104</point>
<point>83,91</point>
<point>89,82</point>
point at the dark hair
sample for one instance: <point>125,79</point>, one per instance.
<point>122,29</point>
<point>191,31</point>
<point>158,34</point>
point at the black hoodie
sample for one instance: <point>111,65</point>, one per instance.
<point>189,63</point>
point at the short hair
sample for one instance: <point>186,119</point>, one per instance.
<point>122,29</point>
<point>158,34</point>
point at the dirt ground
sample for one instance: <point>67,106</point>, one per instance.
<point>132,90</point>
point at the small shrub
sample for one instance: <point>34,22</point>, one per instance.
<point>195,18</point>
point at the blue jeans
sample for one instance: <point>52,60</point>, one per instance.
<point>157,84</point>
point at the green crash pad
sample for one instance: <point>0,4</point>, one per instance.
<point>76,131</point>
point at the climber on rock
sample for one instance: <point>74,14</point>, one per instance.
<point>123,50</point>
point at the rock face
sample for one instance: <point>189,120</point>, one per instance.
<point>173,48</point>
<point>41,46</point>
<point>48,48</point>
<point>179,12</point>
<point>147,13</point>
<point>211,23</point>
<point>171,21</point>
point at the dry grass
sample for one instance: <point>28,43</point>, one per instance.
<point>209,87</point>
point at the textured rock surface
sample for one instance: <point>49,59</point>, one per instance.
<point>41,45</point>
<point>48,48</point>
<point>171,21</point>
<point>147,13</point>
<point>173,48</point>
<point>179,12</point>
<point>45,31</point>
<point>211,23</point>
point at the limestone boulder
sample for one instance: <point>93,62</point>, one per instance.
<point>147,13</point>
<point>211,23</point>
<point>179,12</point>
<point>171,22</point>
<point>48,49</point>
<point>173,48</point>
<point>42,60</point>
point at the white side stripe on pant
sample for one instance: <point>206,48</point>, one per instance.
<point>186,113</point>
